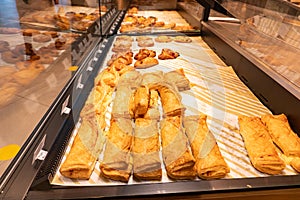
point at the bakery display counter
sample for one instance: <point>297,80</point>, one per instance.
<point>204,86</point>
<point>150,112</point>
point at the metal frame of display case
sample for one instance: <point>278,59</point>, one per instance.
<point>29,178</point>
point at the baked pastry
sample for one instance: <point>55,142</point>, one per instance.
<point>80,161</point>
<point>141,101</point>
<point>145,150</point>
<point>105,84</point>
<point>133,10</point>
<point>183,28</point>
<point>167,54</point>
<point>177,157</point>
<point>146,42</point>
<point>152,78</point>
<point>295,163</point>
<point>210,163</point>
<point>282,134</point>
<point>182,39</point>
<point>123,105</point>
<point>146,63</point>
<point>153,110</point>
<point>116,164</point>
<point>144,53</point>
<point>259,145</point>
<point>133,78</point>
<point>125,56</point>
<point>178,78</point>
<point>170,99</point>
<point>163,39</point>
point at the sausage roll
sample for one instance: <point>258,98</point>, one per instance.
<point>210,163</point>
<point>259,145</point>
<point>282,134</point>
<point>177,156</point>
<point>145,151</point>
<point>116,163</point>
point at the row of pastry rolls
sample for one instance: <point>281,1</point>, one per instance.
<point>260,136</point>
<point>88,142</point>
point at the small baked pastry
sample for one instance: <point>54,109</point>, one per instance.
<point>133,10</point>
<point>178,78</point>
<point>282,134</point>
<point>116,164</point>
<point>144,53</point>
<point>145,150</point>
<point>88,143</point>
<point>146,63</point>
<point>60,43</point>
<point>183,28</point>
<point>177,156</point>
<point>167,54</point>
<point>210,163</point>
<point>182,39</point>
<point>163,39</point>
<point>41,38</point>
<point>133,78</point>
<point>159,24</point>
<point>259,145</point>
<point>130,19</point>
<point>146,43</point>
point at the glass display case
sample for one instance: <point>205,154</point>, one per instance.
<point>202,57</point>
<point>264,32</point>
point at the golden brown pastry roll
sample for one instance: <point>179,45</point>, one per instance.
<point>295,163</point>
<point>178,78</point>
<point>87,145</point>
<point>116,164</point>
<point>141,101</point>
<point>170,99</point>
<point>259,145</point>
<point>123,105</point>
<point>145,151</point>
<point>210,163</point>
<point>153,109</point>
<point>105,84</point>
<point>282,134</point>
<point>177,157</point>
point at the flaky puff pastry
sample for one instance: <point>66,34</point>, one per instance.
<point>141,101</point>
<point>177,157</point>
<point>116,163</point>
<point>178,78</point>
<point>167,54</point>
<point>153,109</point>
<point>210,163</point>
<point>282,134</point>
<point>146,63</point>
<point>295,163</point>
<point>259,145</point>
<point>123,105</point>
<point>145,151</point>
<point>87,145</point>
<point>170,98</point>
